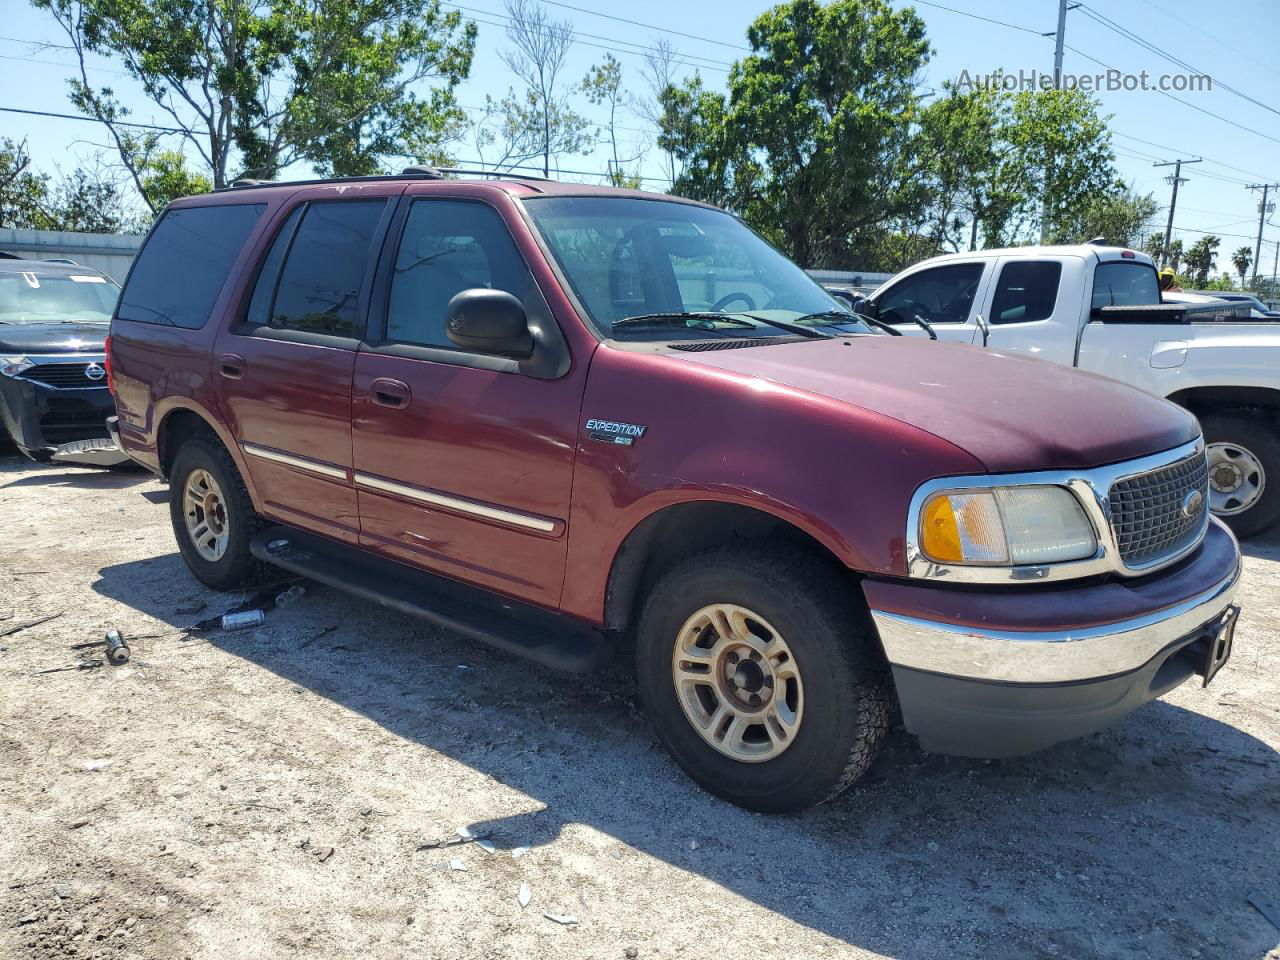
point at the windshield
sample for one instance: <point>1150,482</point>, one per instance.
<point>635,263</point>
<point>41,296</point>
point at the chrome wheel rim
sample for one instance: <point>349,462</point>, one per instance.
<point>205,510</point>
<point>1236,478</point>
<point>738,682</point>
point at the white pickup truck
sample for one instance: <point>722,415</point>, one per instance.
<point>1100,309</point>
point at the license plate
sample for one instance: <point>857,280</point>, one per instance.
<point>1224,632</point>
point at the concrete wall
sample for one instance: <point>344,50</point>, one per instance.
<point>850,278</point>
<point>108,252</point>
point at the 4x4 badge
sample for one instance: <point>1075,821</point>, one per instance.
<point>611,431</point>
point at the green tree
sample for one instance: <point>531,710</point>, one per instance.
<point>1117,215</point>
<point>23,192</point>
<point>810,145</point>
<point>1201,259</point>
<point>1242,260</point>
<point>1154,246</point>
<point>1175,254</point>
<point>257,86</point>
<point>166,177</point>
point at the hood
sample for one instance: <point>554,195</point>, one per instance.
<point>49,338</point>
<point>1011,413</point>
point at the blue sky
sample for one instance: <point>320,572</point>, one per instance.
<point>1235,43</point>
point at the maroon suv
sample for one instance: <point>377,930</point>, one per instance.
<point>579,422</point>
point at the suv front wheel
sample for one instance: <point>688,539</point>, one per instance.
<point>212,515</point>
<point>761,676</point>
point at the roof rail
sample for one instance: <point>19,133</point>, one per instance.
<point>419,172</point>
<point>493,174</point>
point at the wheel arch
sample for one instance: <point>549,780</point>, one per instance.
<point>182,421</point>
<point>1202,399</point>
<point>674,531</point>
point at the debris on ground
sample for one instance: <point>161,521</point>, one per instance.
<point>464,836</point>
<point>29,623</point>
<point>292,595</point>
<point>524,896</point>
<point>518,852</point>
<point>1266,908</point>
<point>82,665</point>
<point>456,864</point>
<point>94,766</point>
<point>242,620</point>
<point>563,919</point>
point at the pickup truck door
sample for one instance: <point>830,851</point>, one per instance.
<point>1035,306</point>
<point>463,462</point>
<point>945,295</point>
<point>283,367</point>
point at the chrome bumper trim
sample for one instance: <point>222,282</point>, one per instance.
<point>1050,656</point>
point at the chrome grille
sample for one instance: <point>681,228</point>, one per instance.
<point>65,375</point>
<point>1147,513</point>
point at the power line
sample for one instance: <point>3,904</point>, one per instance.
<point>710,63</point>
<point>73,116</point>
<point>1128,34</point>
<point>1164,93</point>
<point>1165,146</point>
<point>974,16</point>
<point>647,26</point>
<point>1206,33</point>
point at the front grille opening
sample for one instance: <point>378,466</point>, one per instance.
<point>1147,512</point>
<point>63,375</point>
<point>66,420</point>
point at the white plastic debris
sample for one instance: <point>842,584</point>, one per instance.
<point>93,766</point>
<point>518,852</point>
<point>524,896</point>
<point>456,864</point>
<point>563,919</point>
<point>464,833</point>
<point>485,845</point>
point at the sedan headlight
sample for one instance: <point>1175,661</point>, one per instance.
<point>1006,526</point>
<point>12,366</point>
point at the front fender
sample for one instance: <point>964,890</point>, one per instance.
<point>839,473</point>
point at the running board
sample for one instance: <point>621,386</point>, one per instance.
<point>553,640</point>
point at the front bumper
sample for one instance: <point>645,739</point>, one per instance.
<point>43,420</point>
<point>996,672</point>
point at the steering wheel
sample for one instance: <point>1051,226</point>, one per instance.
<point>728,298</point>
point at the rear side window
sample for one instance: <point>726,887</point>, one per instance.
<point>181,269</point>
<point>317,289</point>
<point>447,247</point>
<point>1124,285</point>
<point>1026,291</point>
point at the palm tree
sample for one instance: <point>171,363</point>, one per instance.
<point>1241,260</point>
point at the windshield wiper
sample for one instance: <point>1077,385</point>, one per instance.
<point>676,319</point>
<point>793,327</point>
<point>842,317</point>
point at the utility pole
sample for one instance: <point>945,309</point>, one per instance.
<point>1059,39</point>
<point>1175,179</point>
<point>1263,210</point>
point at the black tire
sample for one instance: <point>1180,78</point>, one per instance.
<point>845,680</point>
<point>1255,431</point>
<point>237,567</point>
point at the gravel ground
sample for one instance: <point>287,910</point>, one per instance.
<point>266,794</point>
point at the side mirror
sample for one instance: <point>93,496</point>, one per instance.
<point>865,307</point>
<point>842,295</point>
<point>489,321</point>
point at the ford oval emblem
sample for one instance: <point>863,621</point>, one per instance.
<point>94,371</point>
<point>1193,504</point>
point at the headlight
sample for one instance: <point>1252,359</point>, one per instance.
<point>12,366</point>
<point>1003,526</point>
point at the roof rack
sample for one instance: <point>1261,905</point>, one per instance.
<point>420,172</point>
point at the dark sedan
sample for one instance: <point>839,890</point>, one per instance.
<point>54,401</point>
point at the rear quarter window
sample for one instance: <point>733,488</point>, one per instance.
<point>184,263</point>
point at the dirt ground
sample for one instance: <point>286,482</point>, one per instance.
<point>267,793</point>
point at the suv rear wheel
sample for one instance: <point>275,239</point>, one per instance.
<point>761,676</point>
<point>1244,470</point>
<point>212,515</point>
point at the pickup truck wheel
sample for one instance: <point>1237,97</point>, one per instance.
<point>1244,471</point>
<point>212,515</point>
<point>762,677</point>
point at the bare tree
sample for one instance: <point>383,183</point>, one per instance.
<point>603,87</point>
<point>659,72</point>
<point>543,115</point>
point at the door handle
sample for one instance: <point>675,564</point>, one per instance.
<point>231,366</point>
<point>391,393</point>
